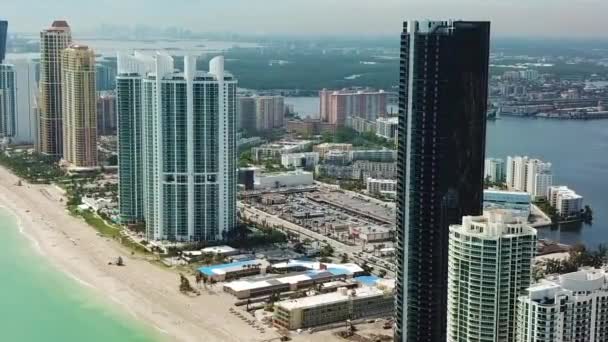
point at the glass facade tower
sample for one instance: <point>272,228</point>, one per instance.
<point>442,123</point>
<point>131,71</point>
<point>7,101</point>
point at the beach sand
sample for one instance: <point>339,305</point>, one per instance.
<point>147,291</point>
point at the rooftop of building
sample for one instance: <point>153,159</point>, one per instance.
<point>283,173</point>
<point>390,119</point>
<point>334,145</point>
<point>231,267</point>
<point>507,193</point>
<point>492,224</point>
<point>346,269</point>
<point>386,181</point>
<point>219,249</point>
<point>292,278</point>
<point>60,23</point>
<point>285,144</point>
<point>331,298</point>
<point>584,280</point>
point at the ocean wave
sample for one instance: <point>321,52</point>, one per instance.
<point>22,231</point>
<point>78,280</point>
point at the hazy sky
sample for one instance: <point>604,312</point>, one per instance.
<point>555,18</point>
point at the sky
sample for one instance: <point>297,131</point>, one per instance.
<point>510,18</point>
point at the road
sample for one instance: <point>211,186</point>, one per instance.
<point>260,216</point>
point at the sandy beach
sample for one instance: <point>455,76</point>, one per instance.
<point>147,291</point>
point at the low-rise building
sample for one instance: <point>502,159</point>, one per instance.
<point>384,187</point>
<point>382,156</point>
<point>272,199</point>
<point>234,270</point>
<point>276,149</point>
<point>283,179</point>
<point>361,125</point>
<point>324,148</point>
<point>310,127</point>
<point>387,127</point>
<point>519,204</point>
<point>263,286</point>
<point>569,307</point>
<point>344,304</point>
<point>305,160</point>
<point>96,204</point>
<point>337,158</point>
<point>221,250</point>
<point>369,234</point>
<point>352,270</point>
<point>567,202</point>
<point>363,169</point>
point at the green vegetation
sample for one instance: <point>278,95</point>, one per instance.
<point>579,257</point>
<point>246,159</point>
<point>344,258</point>
<point>311,69</point>
<point>327,251</point>
<point>487,183</point>
<point>245,236</point>
<point>99,224</point>
<point>548,210</point>
<point>350,136</point>
<point>586,215</point>
<point>35,168</point>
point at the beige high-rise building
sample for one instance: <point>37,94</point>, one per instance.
<point>52,43</point>
<point>79,107</point>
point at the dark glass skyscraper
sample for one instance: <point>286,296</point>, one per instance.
<point>442,124</point>
<point>3,31</point>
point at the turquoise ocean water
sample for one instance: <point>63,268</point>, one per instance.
<point>39,303</point>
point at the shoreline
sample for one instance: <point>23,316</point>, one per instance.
<point>140,289</point>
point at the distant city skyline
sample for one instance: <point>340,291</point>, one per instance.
<point>510,18</point>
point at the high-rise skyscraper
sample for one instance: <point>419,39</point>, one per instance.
<point>79,107</point>
<point>106,113</point>
<point>52,43</point>
<point>490,266</point>
<point>442,123</point>
<point>3,32</point>
<point>336,106</point>
<point>529,175</point>
<point>246,114</point>
<point>270,112</point>
<point>131,71</point>
<point>189,148</point>
<point>8,98</point>
<point>26,120</point>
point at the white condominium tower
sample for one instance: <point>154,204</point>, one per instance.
<point>52,43</point>
<point>529,175</point>
<point>188,165</point>
<point>569,308</point>
<point>490,260</point>
<point>79,107</point>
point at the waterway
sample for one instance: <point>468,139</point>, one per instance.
<point>577,149</point>
<point>40,303</point>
